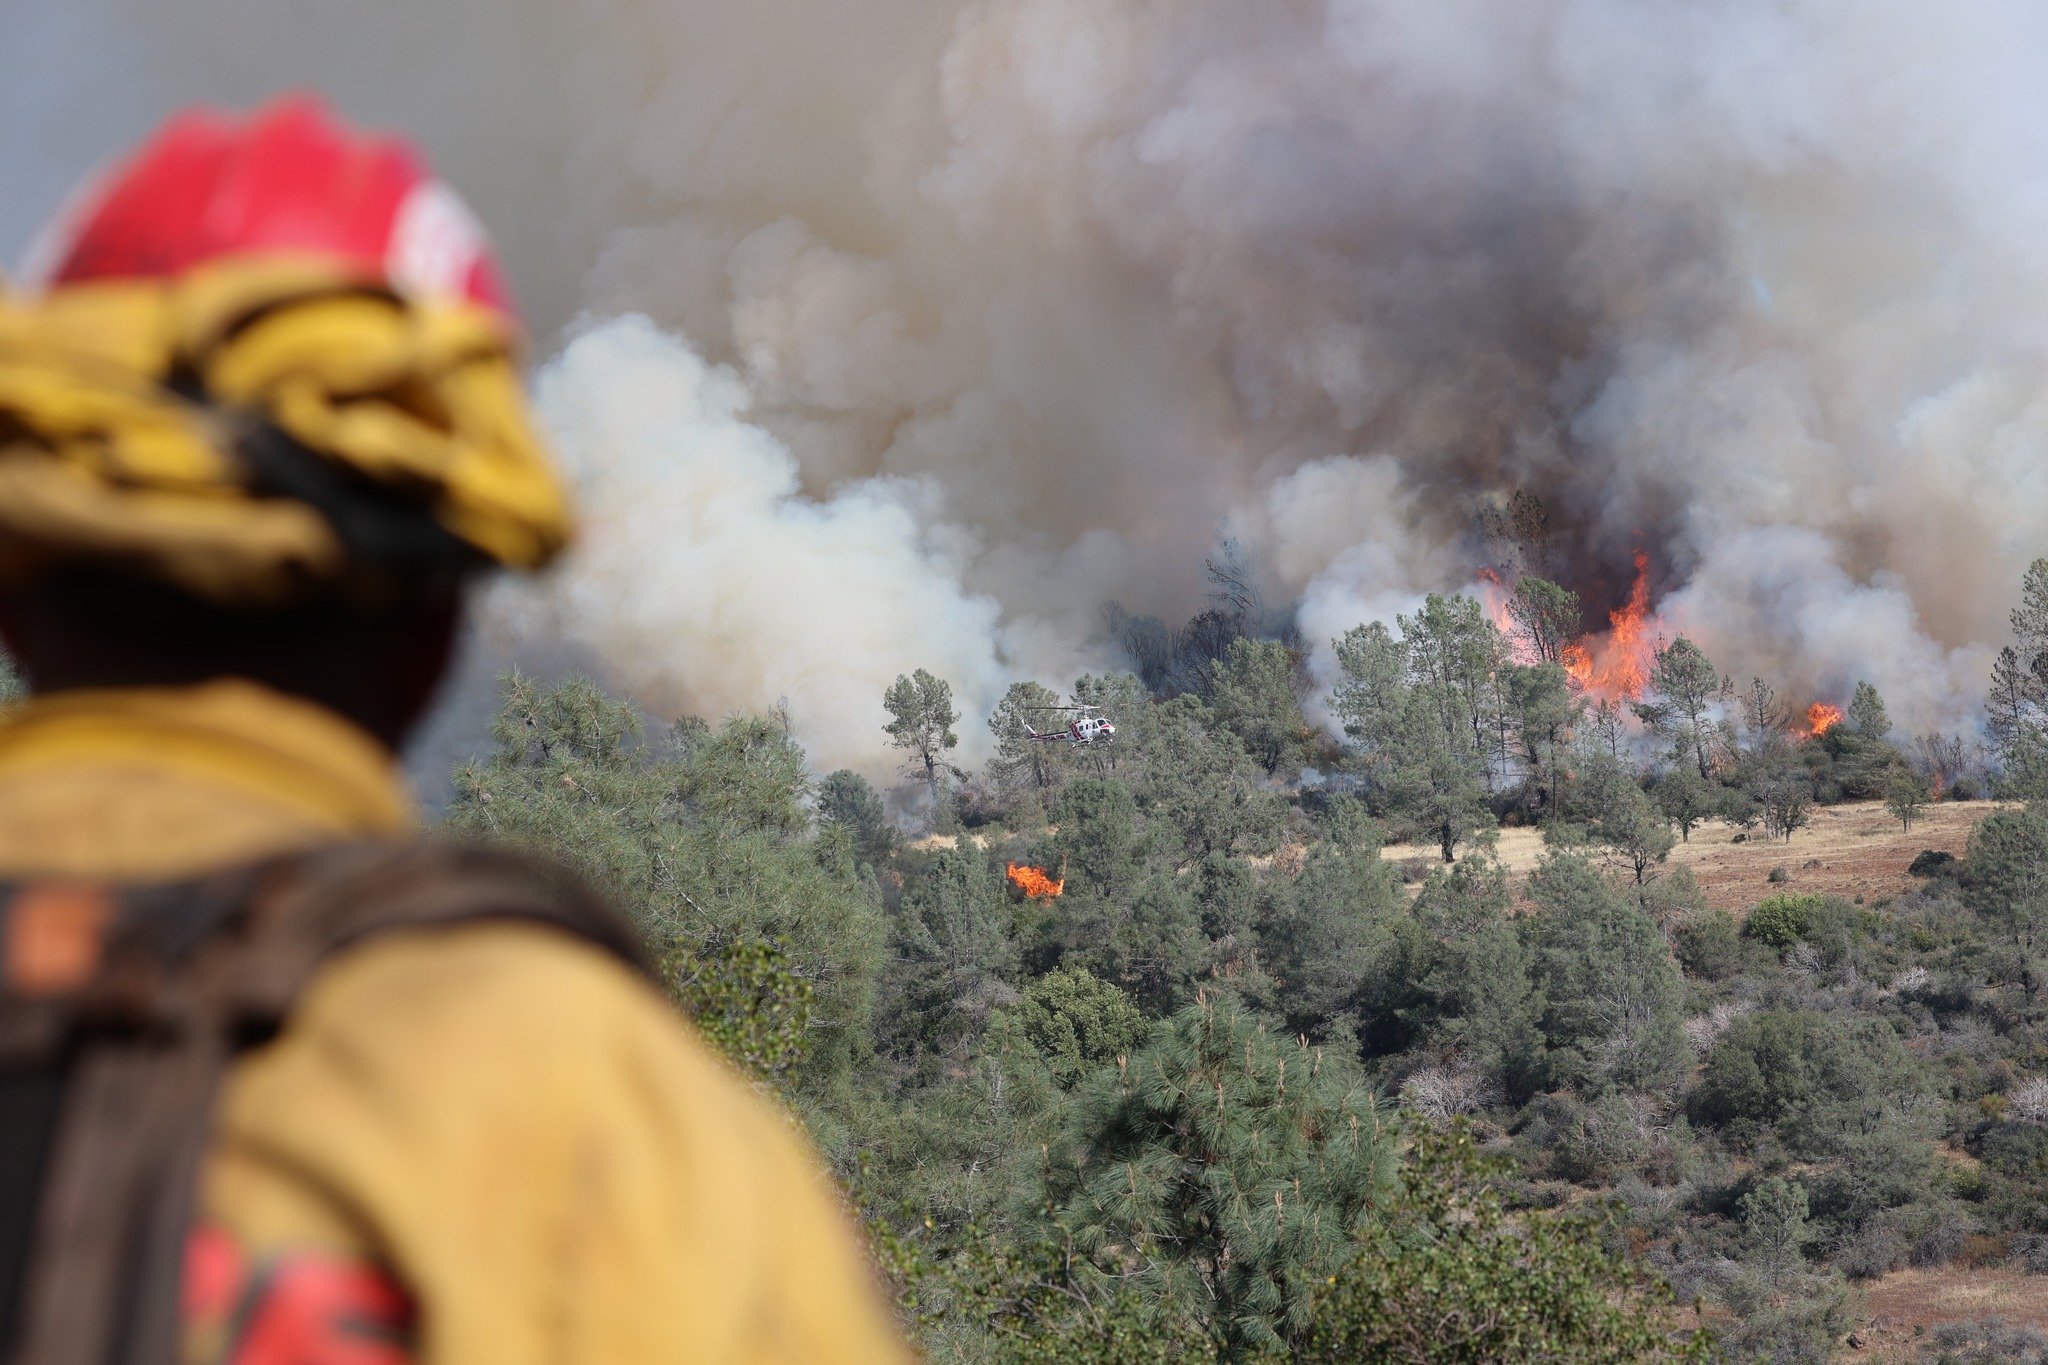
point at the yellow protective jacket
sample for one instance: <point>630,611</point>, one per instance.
<point>530,1140</point>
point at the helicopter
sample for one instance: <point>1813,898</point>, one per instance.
<point>1088,726</point>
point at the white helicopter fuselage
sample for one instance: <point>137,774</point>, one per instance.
<point>1084,730</point>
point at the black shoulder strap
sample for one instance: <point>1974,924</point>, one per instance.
<point>110,1061</point>
<point>303,910</point>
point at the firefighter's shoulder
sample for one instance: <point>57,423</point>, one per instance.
<point>546,1155</point>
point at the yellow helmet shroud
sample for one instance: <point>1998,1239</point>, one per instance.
<point>135,417</point>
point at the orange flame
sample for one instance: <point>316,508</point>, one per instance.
<point>1034,882</point>
<point>1821,718</point>
<point>1615,666</point>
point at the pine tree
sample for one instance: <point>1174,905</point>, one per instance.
<point>1078,1023</point>
<point>1473,992</point>
<point>2017,708</point>
<point>706,842</point>
<point>1256,698</point>
<point>1371,692</point>
<point>1612,996</point>
<point>1685,798</point>
<point>1685,685</point>
<point>2008,886</point>
<point>921,720</point>
<point>849,804</point>
<point>1327,929</point>
<point>1421,712</point>
<point>1545,712</point>
<point>1453,653</point>
<point>1774,1229</point>
<point>1223,1168</point>
<point>956,939</point>
<point>1547,618</point>
<point>1866,714</point>
<point>1905,795</point>
<point>1027,706</point>
<point>1201,784</point>
<point>1625,820</point>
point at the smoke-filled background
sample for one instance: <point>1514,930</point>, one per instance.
<point>905,333</point>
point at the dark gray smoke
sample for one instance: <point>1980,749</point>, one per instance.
<point>907,332</point>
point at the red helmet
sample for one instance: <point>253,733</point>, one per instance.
<point>288,179</point>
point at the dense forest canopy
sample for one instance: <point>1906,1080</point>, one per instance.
<point>1223,1079</point>
<point>1151,1050</point>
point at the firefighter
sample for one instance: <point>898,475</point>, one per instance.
<point>278,1082</point>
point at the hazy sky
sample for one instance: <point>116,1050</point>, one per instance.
<point>903,333</point>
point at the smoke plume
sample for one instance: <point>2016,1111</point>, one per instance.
<point>905,333</point>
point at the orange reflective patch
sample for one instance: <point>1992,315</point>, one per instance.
<point>54,936</point>
<point>303,1308</point>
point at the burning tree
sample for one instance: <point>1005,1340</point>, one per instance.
<point>1947,758</point>
<point>1821,717</point>
<point>1035,882</point>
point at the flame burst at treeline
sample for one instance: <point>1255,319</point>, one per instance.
<point>1035,882</point>
<point>1614,665</point>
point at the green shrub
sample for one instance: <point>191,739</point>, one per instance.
<point>1710,946</point>
<point>747,1001</point>
<point>1796,1319</point>
<point>1782,921</point>
<point>1931,862</point>
<point>1448,1274</point>
<point>1077,1023</point>
<point>2015,1149</point>
<point>975,1295</point>
<point>1815,1081</point>
<point>1676,895</point>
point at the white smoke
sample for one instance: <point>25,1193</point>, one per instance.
<point>697,543</point>
<point>1020,303</point>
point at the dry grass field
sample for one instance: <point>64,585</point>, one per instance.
<point>1902,1307</point>
<point>1850,851</point>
